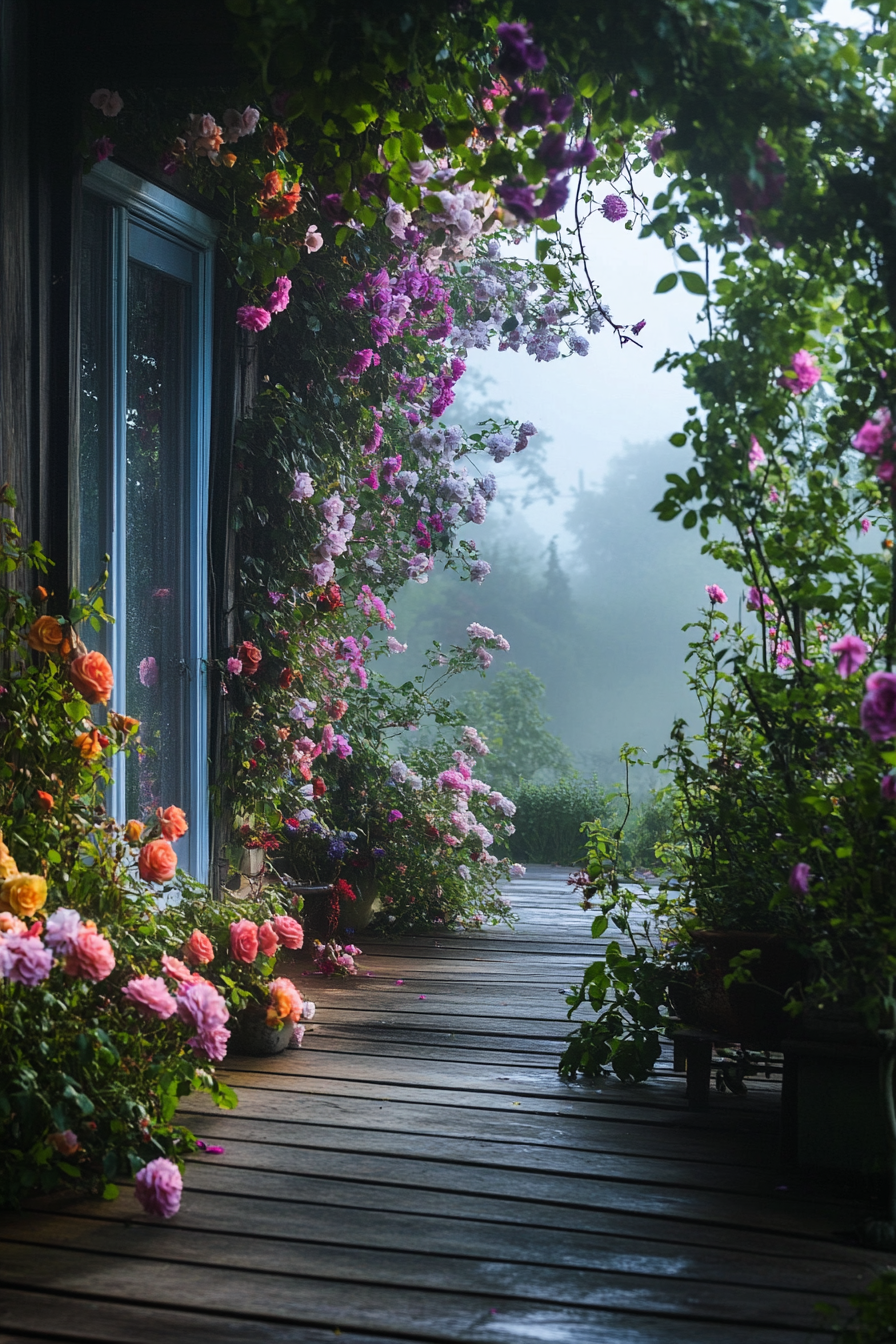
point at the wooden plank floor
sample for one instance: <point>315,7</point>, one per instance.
<point>418,1171</point>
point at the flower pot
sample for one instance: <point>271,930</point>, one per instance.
<point>752,1013</point>
<point>251,1035</point>
<point>252,862</point>
<point>356,915</point>
<point>833,1113</point>
<point>317,913</point>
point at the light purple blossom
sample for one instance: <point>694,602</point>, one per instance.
<point>149,995</point>
<point>853,653</point>
<point>204,1010</point>
<point>479,570</point>
<point>798,881</point>
<point>24,960</point>
<point>303,487</point>
<point>62,931</point>
<point>517,870</point>
<point>654,145</point>
<point>148,672</point>
<point>393,645</point>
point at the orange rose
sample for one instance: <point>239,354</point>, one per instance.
<point>91,677</point>
<point>250,656</point>
<point>173,822</point>
<point>133,831</point>
<point>157,861</point>
<point>24,894</point>
<point>39,594</point>
<point>89,746</point>
<point>198,950</point>
<point>8,865</point>
<point>45,635</point>
<point>45,800</point>
<point>271,186</point>
<point>228,160</point>
<point>282,206</point>
<point>276,139</point>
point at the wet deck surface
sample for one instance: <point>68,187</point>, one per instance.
<point>418,1171</point>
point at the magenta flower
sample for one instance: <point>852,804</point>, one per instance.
<point>343,747</point>
<point>878,713</point>
<point>614,208</point>
<point>252,318</point>
<point>756,599</point>
<point>716,594</point>
<point>798,881</point>
<point>866,524</point>
<point>159,1187</point>
<point>395,815</point>
<point>103,148</point>
<point>519,199</point>
<point>871,437</point>
<point>756,455</point>
<point>278,299</point>
<point>149,995</point>
<point>654,145</point>
<point>359,363</point>
<point>518,53</point>
<point>888,788</point>
<point>853,652</point>
<point>234,666</point>
<point>806,374</point>
<point>372,480</point>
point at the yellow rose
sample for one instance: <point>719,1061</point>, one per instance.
<point>88,745</point>
<point>8,865</point>
<point>24,894</point>
<point>133,831</point>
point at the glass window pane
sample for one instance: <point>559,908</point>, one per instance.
<point>157,442</point>
<point>94,475</point>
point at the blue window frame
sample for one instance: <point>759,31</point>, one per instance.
<point>141,481</point>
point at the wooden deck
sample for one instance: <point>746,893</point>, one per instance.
<point>418,1172</point>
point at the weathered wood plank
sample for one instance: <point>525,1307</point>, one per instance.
<point>436,1315</point>
<point>497,1280</point>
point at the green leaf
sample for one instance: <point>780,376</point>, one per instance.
<point>553,275</point>
<point>687,253</point>
<point>668,282</point>
<point>693,283</point>
<point>678,440</point>
<point>110,1191</point>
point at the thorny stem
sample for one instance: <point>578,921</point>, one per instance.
<point>618,327</point>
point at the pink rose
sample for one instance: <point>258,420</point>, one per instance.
<point>313,239</point>
<point>92,957</point>
<point>158,1187</point>
<point>176,969</point>
<point>251,318</point>
<point>267,939</point>
<point>198,949</point>
<point>204,1010</point>
<point>106,101</point>
<point>244,941</point>
<point>289,931</point>
<point>234,666</point>
<point>150,996</point>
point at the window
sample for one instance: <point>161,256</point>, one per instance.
<point>142,481</point>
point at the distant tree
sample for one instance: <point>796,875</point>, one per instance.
<point>509,714</point>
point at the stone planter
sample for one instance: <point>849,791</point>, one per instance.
<point>252,862</point>
<point>251,1035</point>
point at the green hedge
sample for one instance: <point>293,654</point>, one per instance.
<point>549,819</point>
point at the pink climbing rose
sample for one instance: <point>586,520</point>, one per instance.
<point>149,995</point>
<point>878,713</point>
<point>716,594</point>
<point>806,374</point>
<point>756,455</point>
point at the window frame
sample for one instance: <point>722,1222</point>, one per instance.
<point>152,208</point>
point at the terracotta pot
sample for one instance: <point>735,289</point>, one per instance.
<point>751,1013</point>
<point>251,1035</point>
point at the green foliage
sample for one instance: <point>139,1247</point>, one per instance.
<point>626,986</point>
<point>549,819</point>
<point>874,1314</point>
<point>508,713</point>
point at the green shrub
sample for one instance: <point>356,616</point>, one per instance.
<point>549,820</point>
